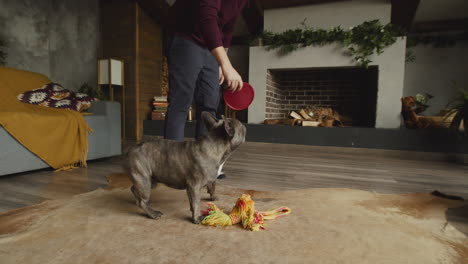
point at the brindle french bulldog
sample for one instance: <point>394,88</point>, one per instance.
<point>189,165</point>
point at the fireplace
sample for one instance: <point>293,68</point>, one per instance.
<point>350,91</point>
<point>372,99</point>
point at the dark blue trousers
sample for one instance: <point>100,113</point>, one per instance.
<point>193,75</point>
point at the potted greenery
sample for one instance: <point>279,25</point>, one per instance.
<point>422,101</point>
<point>460,110</point>
<point>91,91</point>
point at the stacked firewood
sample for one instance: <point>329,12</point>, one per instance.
<point>316,116</point>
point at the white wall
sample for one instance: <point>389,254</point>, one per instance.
<point>433,72</point>
<point>346,14</point>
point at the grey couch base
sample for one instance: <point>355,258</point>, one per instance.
<point>105,141</point>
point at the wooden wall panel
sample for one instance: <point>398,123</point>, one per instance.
<point>129,34</point>
<point>149,61</point>
<point>118,41</point>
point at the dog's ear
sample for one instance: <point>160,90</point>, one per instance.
<point>209,119</point>
<point>228,126</point>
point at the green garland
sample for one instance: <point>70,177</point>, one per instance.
<point>3,53</point>
<point>360,42</point>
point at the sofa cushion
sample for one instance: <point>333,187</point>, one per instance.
<point>54,95</point>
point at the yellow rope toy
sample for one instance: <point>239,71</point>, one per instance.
<point>243,212</point>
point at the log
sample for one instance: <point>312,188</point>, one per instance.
<point>289,122</point>
<point>271,121</point>
<point>310,123</point>
<point>295,115</point>
<point>304,114</point>
<point>327,123</point>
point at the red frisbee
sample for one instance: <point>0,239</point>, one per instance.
<point>239,100</point>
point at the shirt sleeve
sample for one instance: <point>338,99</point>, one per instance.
<point>228,30</point>
<point>208,20</point>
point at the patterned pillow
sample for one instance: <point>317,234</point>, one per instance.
<point>54,95</point>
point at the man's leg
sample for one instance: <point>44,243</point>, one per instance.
<point>185,62</point>
<point>207,92</point>
<point>207,95</point>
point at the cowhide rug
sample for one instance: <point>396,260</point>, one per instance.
<point>326,226</point>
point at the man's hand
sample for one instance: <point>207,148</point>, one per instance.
<point>228,73</point>
<point>221,75</point>
<point>233,79</point>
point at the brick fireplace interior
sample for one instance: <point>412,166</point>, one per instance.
<point>351,91</point>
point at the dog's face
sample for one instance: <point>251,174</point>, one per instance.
<point>230,129</point>
<point>408,103</point>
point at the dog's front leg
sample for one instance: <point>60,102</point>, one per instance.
<point>193,192</point>
<point>211,186</point>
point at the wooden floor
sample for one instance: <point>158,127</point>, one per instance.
<point>264,166</point>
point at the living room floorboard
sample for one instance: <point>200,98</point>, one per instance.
<point>266,166</point>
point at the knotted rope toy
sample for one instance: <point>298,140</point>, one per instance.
<point>243,212</point>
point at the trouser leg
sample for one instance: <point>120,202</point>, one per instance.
<point>207,92</point>
<point>185,63</point>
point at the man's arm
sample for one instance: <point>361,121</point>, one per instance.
<point>232,77</point>
<point>221,74</point>
<point>208,18</point>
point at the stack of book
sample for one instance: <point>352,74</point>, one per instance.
<point>159,108</point>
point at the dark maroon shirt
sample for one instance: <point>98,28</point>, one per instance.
<point>208,23</point>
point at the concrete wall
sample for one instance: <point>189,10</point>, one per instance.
<point>73,42</point>
<point>24,25</point>
<point>58,38</point>
<point>430,10</point>
<point>346,14</point>
<point>433,72</point>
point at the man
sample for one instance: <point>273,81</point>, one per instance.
<point>197,59</point>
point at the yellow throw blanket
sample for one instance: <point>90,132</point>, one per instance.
<point>57,136</point>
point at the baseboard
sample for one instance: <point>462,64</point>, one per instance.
<point>426,140</point>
